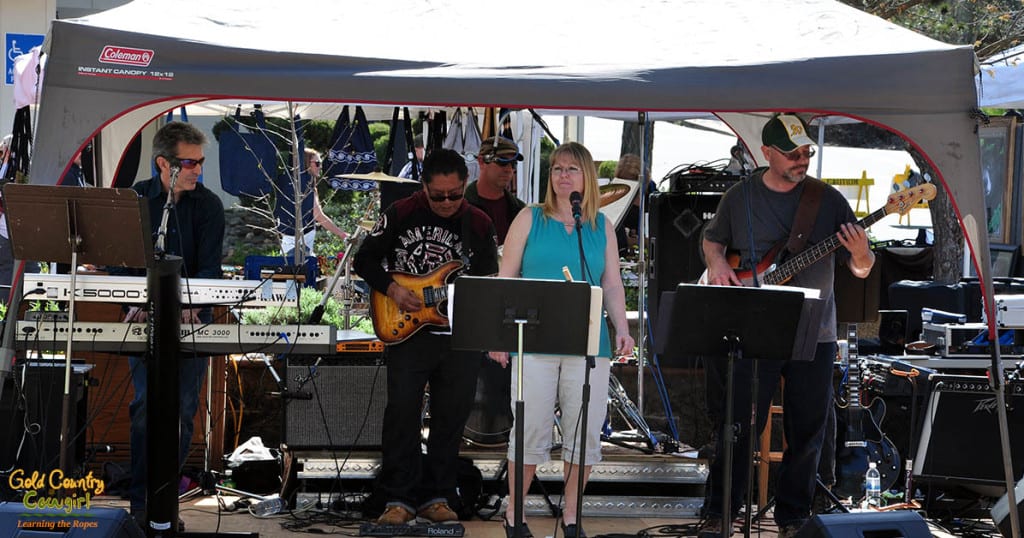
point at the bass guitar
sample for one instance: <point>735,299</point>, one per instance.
<point>394,325</point>
<point>774,268</point>
<point>859,439</point>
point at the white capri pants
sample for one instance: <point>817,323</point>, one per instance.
<point>552,380</point>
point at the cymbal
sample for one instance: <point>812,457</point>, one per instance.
<point>612,192</point>
<point>378,176</point>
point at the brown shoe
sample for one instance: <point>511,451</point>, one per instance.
<point>712,528</point>
<point>395,515</point>
<point>438,512</point>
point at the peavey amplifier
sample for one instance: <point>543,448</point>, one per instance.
<point>960,434</point>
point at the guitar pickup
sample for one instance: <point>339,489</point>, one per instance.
<point>855,444</point>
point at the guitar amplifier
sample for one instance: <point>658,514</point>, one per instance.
<point>335,406</point>
<point>960,440</point>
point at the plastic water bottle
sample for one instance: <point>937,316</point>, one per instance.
<point>268,507</point>
<point>873,486</point>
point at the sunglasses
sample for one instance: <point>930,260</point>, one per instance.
<point>187,164</point>
<point>453,196</point>
<point>796,154</point>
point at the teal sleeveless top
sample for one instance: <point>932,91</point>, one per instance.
<point>549,247</point>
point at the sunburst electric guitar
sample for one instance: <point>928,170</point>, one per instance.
<point>394,325</point>
<point>774,268</point>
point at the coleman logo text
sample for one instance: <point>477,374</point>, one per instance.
<point>112,54</point>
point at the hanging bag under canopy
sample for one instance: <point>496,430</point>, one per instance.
<point>464,138</point>
<point>351,149</point>
<point>247,159</point>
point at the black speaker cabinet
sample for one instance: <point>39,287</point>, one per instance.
<point>857,298</point>
<point>892,331</point>
<point>17,521</point>
<point>677,222</point>
<point>31,410</point>
<point>335,406</point>
<point>960,433</point>
<point>903,523</point>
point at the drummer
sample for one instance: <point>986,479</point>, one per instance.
<point>498,157</point>
<point>312,212</point>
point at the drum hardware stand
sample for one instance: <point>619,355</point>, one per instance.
<point>352,242</point>
<point>640,432</point>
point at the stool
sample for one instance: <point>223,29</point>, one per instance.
<point>766,456</point>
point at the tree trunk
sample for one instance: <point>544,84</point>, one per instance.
<point>948,248</point>
<point>631,133</point>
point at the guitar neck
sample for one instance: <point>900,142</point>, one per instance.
<point>853,372</point>
<point>809,256</point>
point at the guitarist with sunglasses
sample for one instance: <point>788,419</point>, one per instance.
<point>775,206</point>
<point>419,244</point>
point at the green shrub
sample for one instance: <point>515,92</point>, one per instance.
<point>309,299</point>
<point>607,169</point>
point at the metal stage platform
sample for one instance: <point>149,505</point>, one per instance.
<point>625,483</point>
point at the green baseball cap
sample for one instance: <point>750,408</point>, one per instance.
<point>785,132</point>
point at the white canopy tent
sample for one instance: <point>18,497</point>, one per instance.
<point>1001,82</point>
<point>821,57</point>
<point>128,65</point>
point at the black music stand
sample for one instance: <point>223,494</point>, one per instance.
<point>76,225</point>
<point>528,316</point>
<point>735,322</point>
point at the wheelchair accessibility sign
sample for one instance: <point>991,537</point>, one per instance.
<point>15,45</point>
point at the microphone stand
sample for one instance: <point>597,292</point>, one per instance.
<point>161,234</point>
<point>585,404</point>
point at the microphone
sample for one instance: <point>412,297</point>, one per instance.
<point>175,170</point>
<point>577,212</point>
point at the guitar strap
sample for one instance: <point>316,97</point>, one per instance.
<point>806,214</point>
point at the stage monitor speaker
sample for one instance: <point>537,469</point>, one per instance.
<point>335,406</point>
<point>903,523</point>
<point>677,221</point>
<point>17,521</point>
<point>1001,510</point>
<point>960,433</point>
